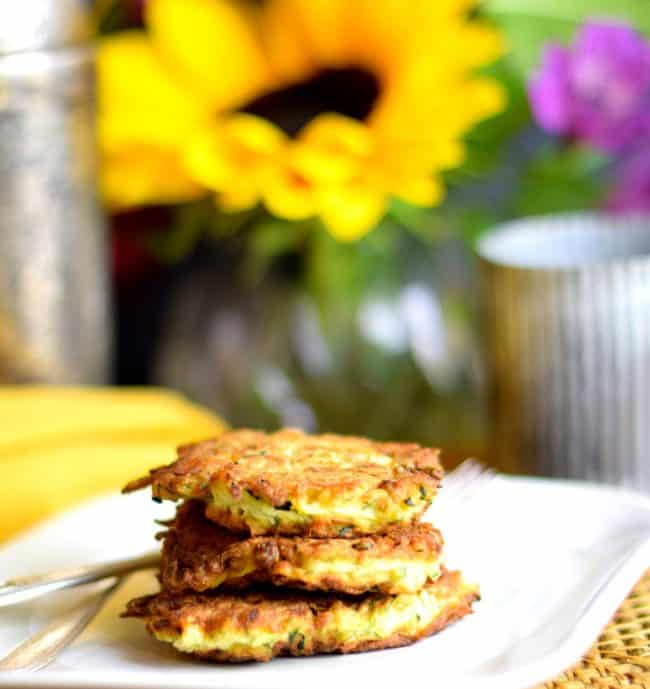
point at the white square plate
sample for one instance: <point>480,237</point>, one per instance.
<point>539,548</point>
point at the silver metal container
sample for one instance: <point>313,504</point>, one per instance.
<point>566,304</point>
<point>54,290</point>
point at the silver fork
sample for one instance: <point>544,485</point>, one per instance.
<point>40,650</point>
<point>464,483</point>
<point>22,589</point>
<point>98,583</point>
<point>43,647</point>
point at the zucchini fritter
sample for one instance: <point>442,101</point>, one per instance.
<point>296,484</point>
<point>199,555</point>
<point>261,624</point>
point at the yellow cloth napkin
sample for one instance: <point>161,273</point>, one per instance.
<point>59,446</point>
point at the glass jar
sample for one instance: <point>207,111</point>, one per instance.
<point>374,338</point>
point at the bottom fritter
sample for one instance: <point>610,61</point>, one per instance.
<point>261,624</point>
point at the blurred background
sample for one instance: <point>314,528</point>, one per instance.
<point>291,192</point>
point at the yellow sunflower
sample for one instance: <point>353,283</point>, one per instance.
<point>311,107</point>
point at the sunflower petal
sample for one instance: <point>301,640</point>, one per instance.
<point>231,153</point>
<point>390,35</point>
<point>213,45</point>
<point>285,42</point>
<point>486,96</point>
<point>144,119</point>
<point>207,159</point>
<point>143,175</point>
<point>239,198</point>
<point>235,158</point>
<point>138,98</point>
<point>484,43</point>
<point>329,34</point>
<point>338,132</point>
<point>418,191</point>
<point>332,149</point>
<point>287,195</point>
<point>255,135</point>
<point>351,212</point>
<point>429,95</point>
<point>408,113</point>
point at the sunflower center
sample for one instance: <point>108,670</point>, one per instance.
<point>349,91</point>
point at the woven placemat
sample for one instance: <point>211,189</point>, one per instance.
<point>621,656</point>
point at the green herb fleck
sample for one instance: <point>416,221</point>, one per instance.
<point>363,545</point>
<point>155,498</point>
<point>295,634</point>
<point>409,502</point>
<point>345,531</point>
<point>285,506</point>
<point>423,493</point>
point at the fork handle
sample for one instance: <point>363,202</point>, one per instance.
<point>42,648</point>
<point>22,589</point>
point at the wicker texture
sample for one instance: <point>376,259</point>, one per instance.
<point>621,656</point>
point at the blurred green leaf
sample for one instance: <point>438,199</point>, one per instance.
<point>338,272</point>
<point>178,241</point>
<point>220,225</point>
<point>529,24</point>
<point>196,221</point>
<point>471,223</point>
<point>550,178</point>
<point>269,239</point>
<point>561,179</point>
<point>425,223</point>
<point>576,11</point>
<point>485,143</point>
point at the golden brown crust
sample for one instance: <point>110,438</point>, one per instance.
<point>450,613</point>
<point>199,555</point>
<point>283,613</point>
<point>292,470</point>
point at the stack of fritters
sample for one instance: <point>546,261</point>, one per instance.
<point>290,544</point>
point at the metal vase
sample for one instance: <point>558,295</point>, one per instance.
<point>566,305</point>
<point>54,288</point>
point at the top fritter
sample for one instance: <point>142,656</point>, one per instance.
<point>293,483</point>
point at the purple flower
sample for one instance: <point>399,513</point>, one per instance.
<point>597,90</point>
<point>631,190</point>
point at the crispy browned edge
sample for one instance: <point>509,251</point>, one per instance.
<point>278,611</point>
<point>195,551</point>
<point>201,464</point>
